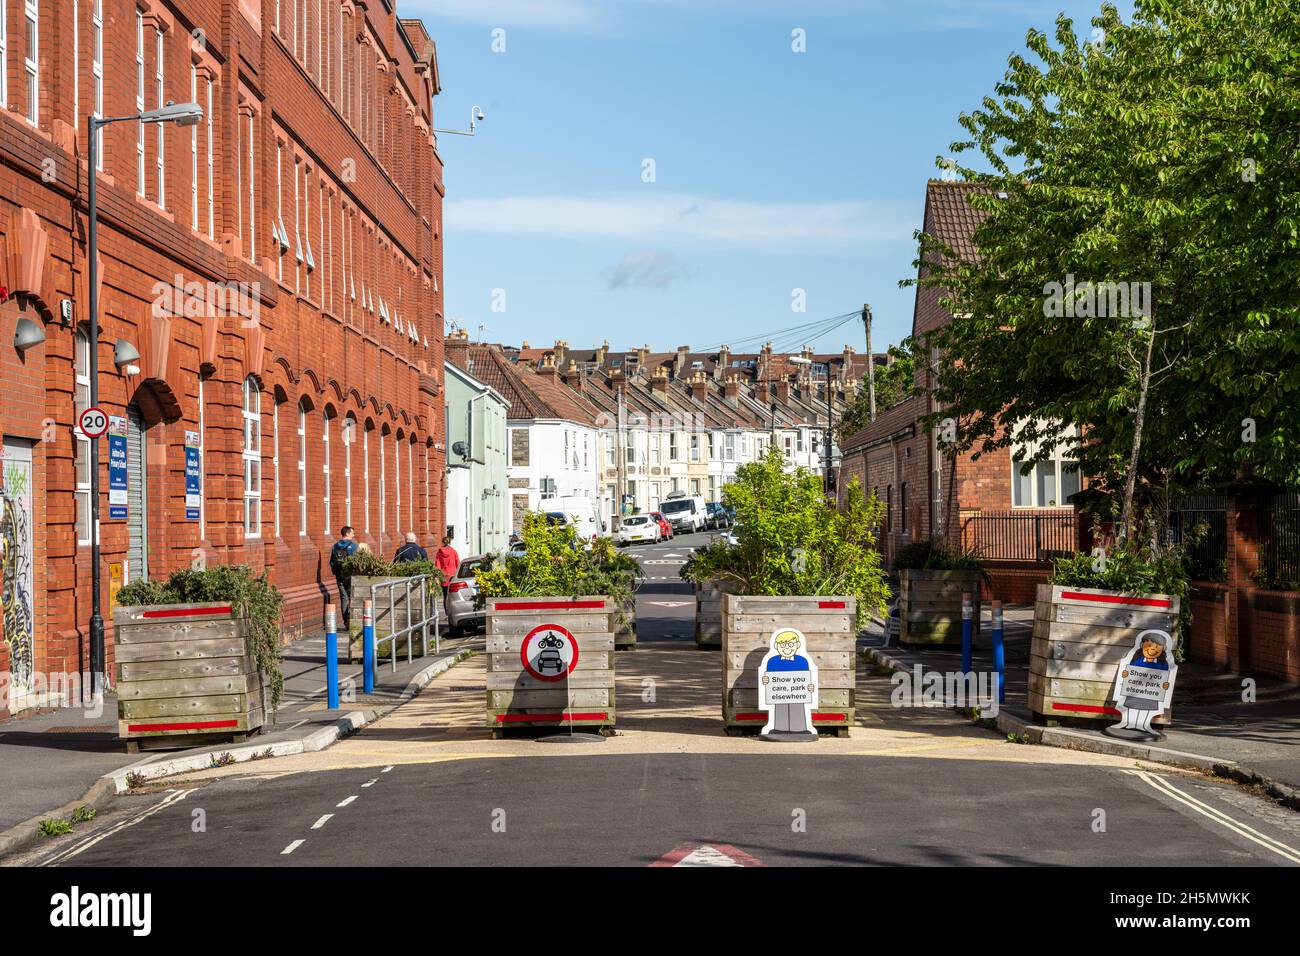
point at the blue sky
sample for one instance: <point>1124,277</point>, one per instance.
<point>773,170</point>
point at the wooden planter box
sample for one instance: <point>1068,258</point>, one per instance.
<point>828,625</point>
<point>1080,636</point>
<point>185,675</point>
<point>708,612</point>
<point>365,589</point>
<point>516,698</point>
<point>625,626</point>
<point>929,605</point>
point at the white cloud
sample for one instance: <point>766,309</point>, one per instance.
<point>647,270</point>
<point>795,226</point>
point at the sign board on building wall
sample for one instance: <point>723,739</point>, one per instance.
<point>193,476</point>
<point>116,578</point>
<point>117,468</point>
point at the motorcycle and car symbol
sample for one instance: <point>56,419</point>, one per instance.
<point>549,652</point>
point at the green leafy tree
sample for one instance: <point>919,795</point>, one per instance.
<point>895,383</point>
<point>1163,152</point>
<point>555,564</point>
<point>792,541</point>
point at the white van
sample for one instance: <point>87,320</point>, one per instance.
<point>581,512</point>
<point>685,514</point>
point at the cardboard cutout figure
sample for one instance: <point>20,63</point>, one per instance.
<point>1144,685</point>
<point>787,688</point>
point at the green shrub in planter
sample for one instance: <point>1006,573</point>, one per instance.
<point>934,554</point>
<point>367,564</point>
<point>792,541</point>
<point>555,564</point>
<point>252,596</point>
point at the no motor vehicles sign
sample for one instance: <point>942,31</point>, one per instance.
<point>549,652</point>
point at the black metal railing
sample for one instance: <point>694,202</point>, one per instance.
<point>1036,536</point>
<point>1279,543</point>
<point>1200,522</point>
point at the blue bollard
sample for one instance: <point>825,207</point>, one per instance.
<point>967,615</point>
<point>331,657</point>
<point>368,640</point>
<point>999,657</point>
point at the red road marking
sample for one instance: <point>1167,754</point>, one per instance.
<point>816,716</point>
<point>675,856</point>
<point>1115,599</point>
<point>551,605</point>
<point>187,612</point>
<point>550,718</point>
<point>192,725</point>
<point>831,605</point>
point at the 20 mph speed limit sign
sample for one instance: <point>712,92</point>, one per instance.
<point>93,422</point>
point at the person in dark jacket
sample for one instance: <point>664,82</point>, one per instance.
<point>344,548</point>
<point>410,551</point>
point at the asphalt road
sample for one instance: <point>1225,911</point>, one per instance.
<point>909,789</point>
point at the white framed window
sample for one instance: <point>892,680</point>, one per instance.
<point>297,229</point>
<point>1049,483</point>
<point>729,447</point>
<point>397,486</point>
<point>97,71</point>
<point>252,458</point>
<point>672,446</point>
<point>81,375</point>
<point>609,449</point>
<point>252,202</point>
<point>302,469</point>
<point>695,448</point>
<point>32,60</point>
<point>365,475</point>
<point>275,464</point>
<point>655,451</point>
<point>139,102</point>
<point>410,481</point>
<point>161,128</point>
<point>282,241</point>
<point>654,496</point>
<point>207,117</point>
<point>203,459</point>
<point>194,151</point>
<point>349,436</point>
<point>695,486</point>
<point>383,490</point>
<point>325,466</point>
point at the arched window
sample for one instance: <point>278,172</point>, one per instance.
<point>325,465</point>
<point>81,366</point>
<point>397,486</point>
<point>383,489</point>
<point>365,475</point>
<point>252,458</point>
<point>275,461</point>
<point>302,469</point>
<point>349,435</point>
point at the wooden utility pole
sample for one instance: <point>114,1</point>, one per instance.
<point>871,365</point>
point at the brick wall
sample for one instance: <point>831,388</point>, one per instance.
<point>356,141</point>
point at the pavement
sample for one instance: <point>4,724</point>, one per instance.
<point>1213,727</point>
<point>426,785</point>
<point>57,760</point>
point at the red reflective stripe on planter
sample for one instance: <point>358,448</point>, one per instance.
<point>550,606</point>
<point>528,718</point>
<point>763,717</point>
<point>187,612</point>
<point>831,605</point>
<point>192,725</point>
<point>1085,708</point>
<point>1114,599</point>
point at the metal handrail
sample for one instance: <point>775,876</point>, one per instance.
<point>419,584</point>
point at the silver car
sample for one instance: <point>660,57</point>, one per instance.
<point>461,593</point>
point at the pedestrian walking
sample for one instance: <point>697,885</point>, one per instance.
<point>411,551</point>
<point>447,559</point>
<point>344,548</point>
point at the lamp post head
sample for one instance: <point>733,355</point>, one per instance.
<point>182,114</point>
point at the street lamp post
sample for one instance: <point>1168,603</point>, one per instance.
<point>182,114</point>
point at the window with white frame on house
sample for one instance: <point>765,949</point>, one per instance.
<point>207,120</point>
<point>654,449</point>
<point>609,449</point>
<point>729,447</point>
<point>902,507</point>
<point>654,495</point>
<point>32,60</point>
<point>695,447</point>
<point>252,201</point>
<point>160,100</point>
<point>325,469</point>
<point>97,71</point>
<point>397,486</point>
<point>1047,483</point>
<point>672,446</point>
<point>194,152</point>
<point>349,435</point>
<point>81,366</point>
<point>302,469</point>
<point>252,456</point>
<point>139,102</point>
<point>695,486</point>
<point>275,463</point>
<point>365,476</point>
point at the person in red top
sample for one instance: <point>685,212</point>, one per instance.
<point>447,559</point>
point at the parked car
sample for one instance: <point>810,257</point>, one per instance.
<point>580,512</point>
<point>461,593</point>
<point>665,526</point>
<point>716,517</point>
<point>638,528</point>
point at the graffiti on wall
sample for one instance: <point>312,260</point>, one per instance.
<point>16,568</point>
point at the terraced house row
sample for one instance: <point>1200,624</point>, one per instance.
<point>270,298</point>
<point>627,429</point>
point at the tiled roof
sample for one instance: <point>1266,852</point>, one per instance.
<point>950,217</point>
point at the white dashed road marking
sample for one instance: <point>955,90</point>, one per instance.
<point>321,822</point>
<point>348,800</point>
<point>291,847</point>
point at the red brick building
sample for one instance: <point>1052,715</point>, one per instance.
<point>1015,521</point>
<point>269,283</point>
